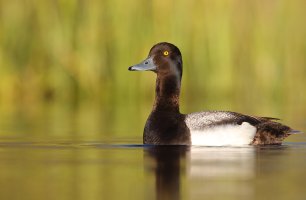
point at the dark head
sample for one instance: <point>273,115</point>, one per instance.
<point>165,124</point>
<point>164,58</point>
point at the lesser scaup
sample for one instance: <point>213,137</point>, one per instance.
<point>167,126</point>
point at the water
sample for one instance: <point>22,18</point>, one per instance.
<point>88,153</point>
<point>95,170</point>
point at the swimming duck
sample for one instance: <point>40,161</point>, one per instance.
<point>167,126</point>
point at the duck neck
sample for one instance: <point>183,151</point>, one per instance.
<point>167,93</point>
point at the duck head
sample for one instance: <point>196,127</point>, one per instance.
<point>164,59</point>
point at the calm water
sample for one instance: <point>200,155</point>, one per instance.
<point>93,170</point>
<point>59,154</point>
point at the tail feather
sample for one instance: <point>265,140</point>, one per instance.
<point>270,132</point>
<point>270,118</point>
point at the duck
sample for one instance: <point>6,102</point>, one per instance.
<point>167,126</point>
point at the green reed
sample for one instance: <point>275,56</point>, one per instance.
<point>238,55</point>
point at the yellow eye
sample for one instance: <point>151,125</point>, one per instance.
<point>166,53</point>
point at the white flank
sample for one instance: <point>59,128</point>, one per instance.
<point>224,135</point>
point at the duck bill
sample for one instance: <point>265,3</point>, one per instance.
<point>146,65</point>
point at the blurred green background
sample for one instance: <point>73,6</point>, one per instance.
<point>63,63</point>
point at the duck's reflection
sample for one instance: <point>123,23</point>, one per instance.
<point>206,170</point>
<point>167,164</point>
<point>213,162</point>
<point>217,172</point>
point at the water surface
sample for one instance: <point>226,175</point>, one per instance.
<point>95,170</point>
